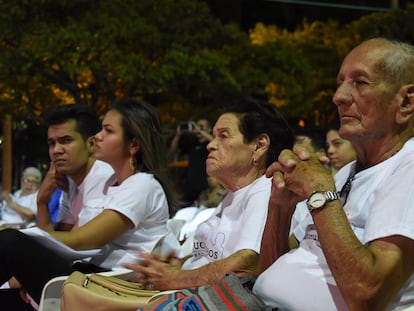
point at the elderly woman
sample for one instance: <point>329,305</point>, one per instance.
<point>21,207</point>
<point>247,137</point>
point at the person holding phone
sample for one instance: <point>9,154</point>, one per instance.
<point>191,139</point>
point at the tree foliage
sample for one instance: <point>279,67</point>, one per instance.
<point>397,25</point>
<point>175,54</point>
<point>322,45</point>
<point>92,52</point>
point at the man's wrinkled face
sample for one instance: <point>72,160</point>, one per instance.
<point>363,98</point>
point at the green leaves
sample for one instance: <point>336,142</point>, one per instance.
<point>94,51</point>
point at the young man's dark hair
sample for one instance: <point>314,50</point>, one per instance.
<point>87,121</point>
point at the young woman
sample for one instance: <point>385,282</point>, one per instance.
<point>340,151</point>
<point>132,215</point>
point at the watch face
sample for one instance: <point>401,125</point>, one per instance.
<point>317,200</point>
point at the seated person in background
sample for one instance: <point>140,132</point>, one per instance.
<point>212,196</point>
<point>247,136</point>
<point>339,151</point>
<point>21,207</point>
<point>356,248</point>
<point>310,137</point>
<point>131,214</point>
<point>192,142</point>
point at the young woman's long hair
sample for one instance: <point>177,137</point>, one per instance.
<point>141,121</point>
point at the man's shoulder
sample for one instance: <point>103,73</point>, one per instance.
<point>101,169</point>
<point>98,176</point>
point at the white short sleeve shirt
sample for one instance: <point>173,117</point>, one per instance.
<point>142,199</point>
<point>380,204</point>
<point>237,223</point>
<point>9,215</point>
<point>89,193</point>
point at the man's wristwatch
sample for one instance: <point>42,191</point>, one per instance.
<point>318,199</point>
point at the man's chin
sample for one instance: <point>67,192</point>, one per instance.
<point>61,170</point>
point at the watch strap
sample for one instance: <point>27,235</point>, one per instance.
<point>332,196</point>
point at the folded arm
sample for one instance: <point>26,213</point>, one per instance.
<point>275,239</point>
<point>368,277</point>
<point>23,211</point>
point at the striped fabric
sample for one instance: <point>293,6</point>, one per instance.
<point>231,293</point>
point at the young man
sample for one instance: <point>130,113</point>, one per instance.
<point>357,242</point>
<point>71,130</point>
<point>73,169</point>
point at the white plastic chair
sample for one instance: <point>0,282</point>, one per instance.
<point>190,226</point>
<point>175,226</point>
<point>186,213</point>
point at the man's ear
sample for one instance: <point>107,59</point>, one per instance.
<point>406,108</point>
<point>90,144</point>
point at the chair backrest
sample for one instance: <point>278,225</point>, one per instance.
<point>186,213</point>
<point>189,227</point>
<point>175,226</point>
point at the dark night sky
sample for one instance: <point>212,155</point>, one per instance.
<point>285,14</point>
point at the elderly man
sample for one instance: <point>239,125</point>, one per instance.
<point>357,239</point>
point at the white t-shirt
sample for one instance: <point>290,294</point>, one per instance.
<point>9,215</point>
<point>142,199</point>
<point>89,193</point>
<point>380,204</point>
<point>236,224</point>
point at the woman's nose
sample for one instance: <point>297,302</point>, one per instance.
<point>98,135</point>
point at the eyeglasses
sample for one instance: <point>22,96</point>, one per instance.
<point>30,181</point>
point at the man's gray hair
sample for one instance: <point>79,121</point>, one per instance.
<point>398,63</point>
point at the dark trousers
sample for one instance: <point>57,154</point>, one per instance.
<point>32,264</point>
<point>10,301</point>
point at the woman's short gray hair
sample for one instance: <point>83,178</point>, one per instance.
<point>32,171</point>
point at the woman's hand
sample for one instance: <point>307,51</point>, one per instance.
<point>156,270</point>
<point>5,195</point>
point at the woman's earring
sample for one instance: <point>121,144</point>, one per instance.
<point>255,163</point>
<point>133,162</point>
